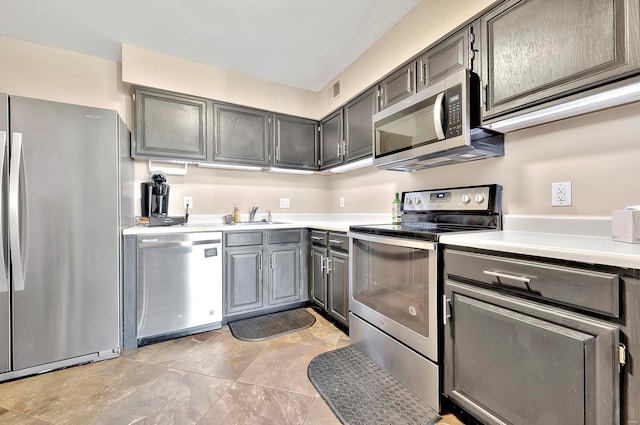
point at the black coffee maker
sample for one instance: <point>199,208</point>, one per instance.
<point>155,196</point>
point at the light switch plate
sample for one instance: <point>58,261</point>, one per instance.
<point>284,202</point>
<point>341,202</point>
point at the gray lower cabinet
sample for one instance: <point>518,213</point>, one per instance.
<point>295,142</point>
<point>454,53</point>
<point>241,135</point>
<point>511,355</point>
<point>170,126</point>
<point>329,273</point>
<point>318,276</point>
<point>262,270</point>
<point>243,279</point>
<point>338,285</point>
<point>537,50</point>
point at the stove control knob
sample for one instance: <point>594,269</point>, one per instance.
<point>479,198</point>
<point>466,199</point>
<point>409,202</point>
<point>418,201</point>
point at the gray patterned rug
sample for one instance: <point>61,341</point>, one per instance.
<point>360,392</point>
<point>272,325</point>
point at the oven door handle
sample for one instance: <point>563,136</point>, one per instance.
<point>395,241</point>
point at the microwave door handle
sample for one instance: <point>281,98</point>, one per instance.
<point>438,116</point>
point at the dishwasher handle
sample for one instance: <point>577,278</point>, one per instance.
<point>155,243</point>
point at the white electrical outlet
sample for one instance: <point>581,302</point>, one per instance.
<point>188,202</point>
<point>284,202</point>
<point>561,194</point>
<point>341,202</point>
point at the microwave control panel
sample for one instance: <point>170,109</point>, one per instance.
<point>453,108</point>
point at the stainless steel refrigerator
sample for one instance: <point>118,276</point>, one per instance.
<point>66,194</point>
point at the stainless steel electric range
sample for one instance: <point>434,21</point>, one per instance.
<point>394,281</point>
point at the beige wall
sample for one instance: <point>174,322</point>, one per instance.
<point>217,191</point>
<point>34,70</point>
<point>147,68</point>
<point>598,152</point>
<point>426,23</point>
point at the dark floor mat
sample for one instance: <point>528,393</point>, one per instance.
<point>272,325</point>
<point>360,392</point>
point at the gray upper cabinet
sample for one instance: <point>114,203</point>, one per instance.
<point>398,86</point>
<point>169,126</point>
<point>295,142</point>
<point>538,50</point>
<point>445,58</point>
<point>331,141</point>
<point>358,124</point>
<point>241,135</point>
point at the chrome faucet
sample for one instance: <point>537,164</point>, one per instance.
<point>252,215</point>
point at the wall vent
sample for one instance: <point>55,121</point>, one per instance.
<point>333,91</point>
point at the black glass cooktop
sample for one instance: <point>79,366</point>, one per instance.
<point>423,231</point>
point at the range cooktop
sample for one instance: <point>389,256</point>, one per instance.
<point>426,214</point>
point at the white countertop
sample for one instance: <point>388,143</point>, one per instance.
<point>586,249</point>
<point>329,222</point>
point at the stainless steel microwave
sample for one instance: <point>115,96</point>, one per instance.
<point>436,126</point>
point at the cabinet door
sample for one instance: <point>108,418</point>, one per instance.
<point>331,142</point>
<point>295,142</point>
<point>398,86</point>
<point>537,50</point>
<point>507,360</point>
<point>241,135</point>
<point>358,123</point>
<point>338,286</point>
<point>443,59</point>
<point>319,276</point>
<point>169,126</point>
<point>284,273</point>
<point>243,279</point>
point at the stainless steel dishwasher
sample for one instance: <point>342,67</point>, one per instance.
<point>179,284</point>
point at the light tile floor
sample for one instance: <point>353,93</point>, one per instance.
<point>210,378</point>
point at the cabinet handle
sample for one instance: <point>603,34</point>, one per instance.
<point>329,265</point>
<point>421,65</point>
<point>335,241</point>
<point>445,306</point>
<point>278,152</point>
<point>409,88</point>
<point>316,238</point>
<point>522,279</point>
<point>339,154</point>
<point>322,263</point>
<point>381,96</point>
<point>345,151</point>
<point>260,260</point>
<point>271,261</point>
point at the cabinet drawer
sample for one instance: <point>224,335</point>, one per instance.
<point>318,238</point>
<point>283,236</point>
<point>243,239</point>
<point>586,289</point>
<point>338,241</point>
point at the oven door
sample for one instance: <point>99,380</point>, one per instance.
<point>393,284</point>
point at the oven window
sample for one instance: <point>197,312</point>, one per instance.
<point>407,129</point>
<point>393,281</point>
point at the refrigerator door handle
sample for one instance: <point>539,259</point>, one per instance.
<point>14,212</point>
<point>4,283</point>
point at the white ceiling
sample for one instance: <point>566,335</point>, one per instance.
<point>300,43</point>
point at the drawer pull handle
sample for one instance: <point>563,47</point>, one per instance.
<point>316,238</point>
<point>522,279</point>
<point>335,241</point>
